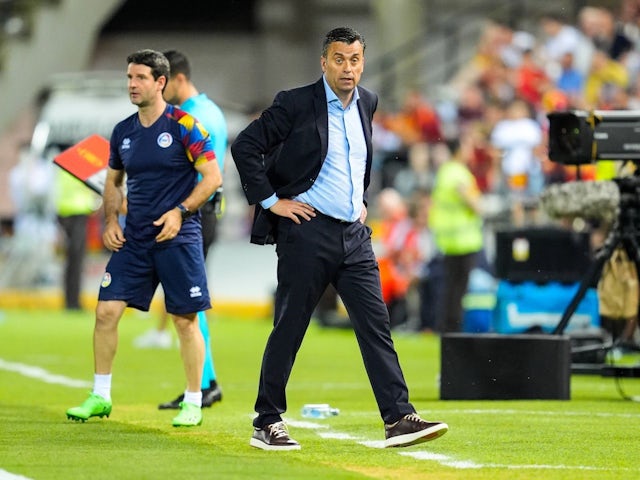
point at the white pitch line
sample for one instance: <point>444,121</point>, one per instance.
<point>324,431</point>
<point>4,475</point>
<point>337,436</point>
<point>372,443</point>
<point>436,457</point>
<point>41,374</point>
<point>306,424</point>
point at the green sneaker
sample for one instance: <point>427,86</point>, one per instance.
<point>94,406</point>
<point>190,415</point>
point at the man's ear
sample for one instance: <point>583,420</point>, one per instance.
<point>181,78</point>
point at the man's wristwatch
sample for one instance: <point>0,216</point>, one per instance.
<point>184,211</point>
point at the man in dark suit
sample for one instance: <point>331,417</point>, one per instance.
<point>305,163</point>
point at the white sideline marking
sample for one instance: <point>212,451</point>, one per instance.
<point>305,424</point>
<point>41,374</point>
<point>4,475</point>
<point>324,431</point>
<point>372,443</point>
<point>442,459</point>
<point>437,457</point>
<point>337,436</point>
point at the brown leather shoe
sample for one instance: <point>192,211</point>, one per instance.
<point>411,429</point>
<point>273,437</point>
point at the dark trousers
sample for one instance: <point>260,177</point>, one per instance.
<point>310,257</point>
<point>456,278</point>
<point>75,230</point>
<point>430,290</point>
<point>209,221</point>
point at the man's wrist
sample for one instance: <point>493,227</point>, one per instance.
<point>267,203</point>
<point>184,211</point>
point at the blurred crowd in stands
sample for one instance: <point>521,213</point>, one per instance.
<point>500,99</point>
<point>497,109</point>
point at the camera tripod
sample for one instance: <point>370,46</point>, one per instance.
<point>625,232</point>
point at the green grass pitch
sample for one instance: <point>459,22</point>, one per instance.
<point>46,366</point>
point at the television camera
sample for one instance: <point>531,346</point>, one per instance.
<point>577,138</point>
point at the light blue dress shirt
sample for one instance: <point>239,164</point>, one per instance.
<point>339,189</point>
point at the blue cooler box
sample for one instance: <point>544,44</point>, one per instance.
<point>479,302</point>
<point>523,306</point>
<point>478,312</point>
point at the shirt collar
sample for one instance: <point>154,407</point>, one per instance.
<point>332,97</point>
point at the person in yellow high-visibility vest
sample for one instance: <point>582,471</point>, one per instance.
<point>456,224</point>
<point>75,202</point>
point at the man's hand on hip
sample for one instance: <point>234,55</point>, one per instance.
<point>293,209</point>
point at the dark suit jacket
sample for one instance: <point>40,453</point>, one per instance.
<point>282,151</point>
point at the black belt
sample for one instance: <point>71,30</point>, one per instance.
<point>333,219</point>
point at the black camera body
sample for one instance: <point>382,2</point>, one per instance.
<point>579,137</point>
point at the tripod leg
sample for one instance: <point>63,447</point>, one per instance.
<point>594,272</point>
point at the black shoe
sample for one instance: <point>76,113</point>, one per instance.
<point>210,396</point>
<point>411,429</point>
<point>273,437</point>
<point>173,404</point>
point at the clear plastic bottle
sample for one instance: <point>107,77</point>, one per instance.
<point>319,410</point>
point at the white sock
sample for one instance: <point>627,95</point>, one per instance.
<point>102,385</point>
<point>194,398</point>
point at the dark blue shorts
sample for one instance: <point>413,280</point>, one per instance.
<point>133,274</point>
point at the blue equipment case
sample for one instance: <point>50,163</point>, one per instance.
<point>526,306</point>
